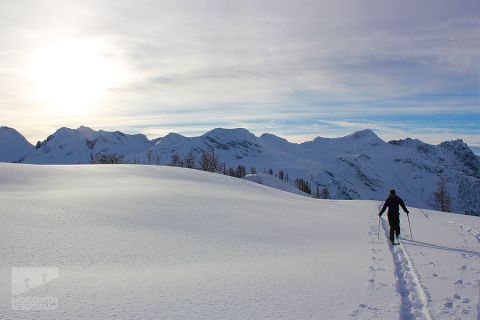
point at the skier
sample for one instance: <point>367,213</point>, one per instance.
<point>392,203</point>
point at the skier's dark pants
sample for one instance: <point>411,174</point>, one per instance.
<point>394,221</point>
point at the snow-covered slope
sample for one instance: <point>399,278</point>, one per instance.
<point>357,166</point>
<point>149,242</point>
<point>273,182</point>
<point>79,146</point>
<point>13,146</point>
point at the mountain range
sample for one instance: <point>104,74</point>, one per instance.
<point>357,166</point>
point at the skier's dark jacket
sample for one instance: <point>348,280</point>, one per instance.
<point>393,203</point>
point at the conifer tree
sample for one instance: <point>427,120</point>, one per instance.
<point>442,198</point>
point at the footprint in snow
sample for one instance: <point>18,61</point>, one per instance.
<point>362,307</point>
<point>458,282</point>
<point>448,304</point>
<point>451,303</point>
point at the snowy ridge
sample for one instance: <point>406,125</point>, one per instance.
<point>357,166</point>
<point>79,146</point>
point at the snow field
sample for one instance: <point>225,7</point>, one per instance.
<point>437,273</point>
<point>148,242</point>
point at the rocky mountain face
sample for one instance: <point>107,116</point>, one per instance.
<point>357,166</point>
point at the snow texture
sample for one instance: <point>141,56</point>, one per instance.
<point>152,242</point>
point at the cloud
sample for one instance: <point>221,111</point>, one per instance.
<point>289,64</point>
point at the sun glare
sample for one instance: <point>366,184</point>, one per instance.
<point>70,77</point>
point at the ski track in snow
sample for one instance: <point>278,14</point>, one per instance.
<point>415,298</point>
<point>375,285</point>
<point>379,301</point>
<point>424,213</point>
<point>468,229</point>
<point>129,247</point>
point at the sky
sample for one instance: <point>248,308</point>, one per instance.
<point>298,69</point>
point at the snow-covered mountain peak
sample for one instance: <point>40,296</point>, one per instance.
<point>86,132</point>
<point>363,135</point>
<point>408,142</point>
<point>71,146</point>
<point>4,129</point>
<point>237,134</point>
<point>7,132</point>
<point>13,145</point>
<point>457,144</point>
<point>273,139</point>
<point>171,139</point>
<point>241,140</point>
<point>463,155</point>
<point>173,135</point>
<point>358,141</point>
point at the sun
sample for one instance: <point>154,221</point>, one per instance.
<point>71,76</point>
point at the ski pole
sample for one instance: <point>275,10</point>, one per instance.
<point>378,233</point>
<point>411,235</point>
